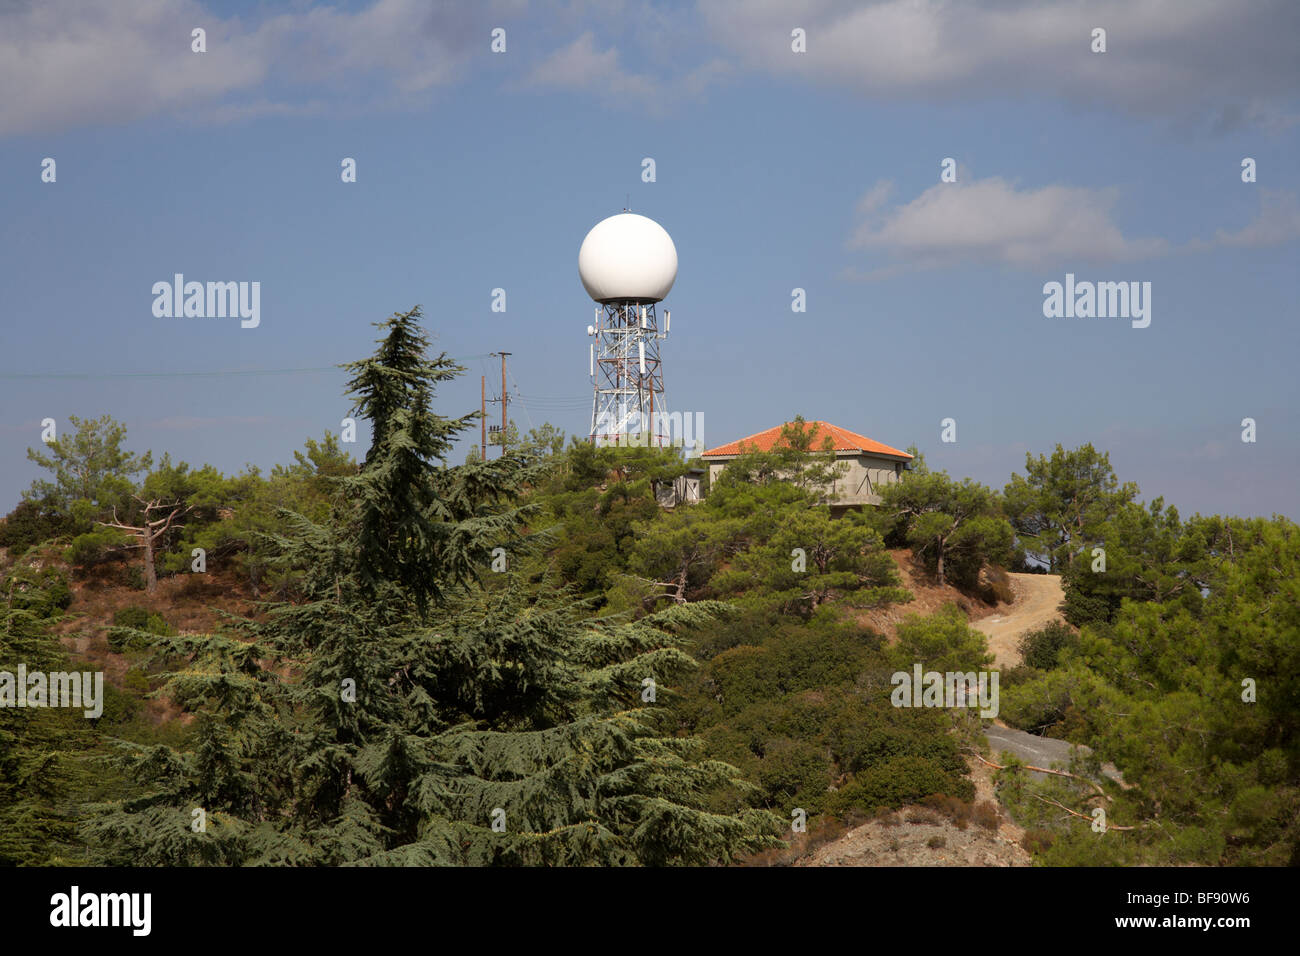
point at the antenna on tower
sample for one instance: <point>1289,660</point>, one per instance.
<point>628,264</point>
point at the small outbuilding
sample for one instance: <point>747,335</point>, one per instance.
<point>866,465</point>
<point>685,489</point>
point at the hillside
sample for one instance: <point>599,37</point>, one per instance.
<point>188,603</point>
<point>927,597</point>
<point>918,835</point>
<point>1038,600</point>
<point>925,836</point>
<point>457,631</point>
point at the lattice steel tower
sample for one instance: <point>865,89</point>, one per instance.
<point>628,265</point>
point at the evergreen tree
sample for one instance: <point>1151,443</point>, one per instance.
<point>40,748</point>
<point>1195,701</point>
<point>1058,506</point>
<point>812,558</point>
<point>954,527</point>
<point>410,708</point>
<point>90,467</point>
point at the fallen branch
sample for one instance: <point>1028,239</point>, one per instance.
<point>1081,816</point>
<point>1060,773</point>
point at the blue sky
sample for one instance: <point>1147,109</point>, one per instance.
<point>774,170</point>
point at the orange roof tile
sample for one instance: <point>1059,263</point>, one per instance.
<point>843,439</point>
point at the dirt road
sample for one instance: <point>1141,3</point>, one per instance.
<point>1038,596</point>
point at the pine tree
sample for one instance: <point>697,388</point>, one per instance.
<point>41,776</point>
<point>411,707</point>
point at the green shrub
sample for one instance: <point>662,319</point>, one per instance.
<point>32,523</point>
<point>132,616</point>
<point>94,547</point>
<point>131,619</point>
<point>119,706</point>
<point>943,641</point>
<point>787,662</point>
<point>136,681</point>
<point>1039,704</point>
<point>1042,648</point>
<point>899,781</point>
<point>42,593</point>
<point>794,771</point>
<point>133,577</point>
<point>866,736</point>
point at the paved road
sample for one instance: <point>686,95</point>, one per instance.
<point>1039,751</point>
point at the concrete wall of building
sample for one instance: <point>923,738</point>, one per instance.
<point>862,478</point>
<point>859,482</point>
<point>685,490</point>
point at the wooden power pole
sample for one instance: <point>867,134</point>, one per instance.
<point>505,400</point>
<point>483,418</point>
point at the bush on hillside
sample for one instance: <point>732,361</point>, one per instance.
<point>896,782</point>
<point>132,619</point>
<point>1042,648</point>
<point>30,524</point>
<point>794,772</point>
<point>41,592</point>
<point>94,547</point>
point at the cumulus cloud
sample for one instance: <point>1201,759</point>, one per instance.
<point>1278,222</point>
<point>68,62</point>
<point>581,66</point>
<point>1217,66</point>
<point>1226,62</point>
<point>651,68</point>
<point>990,220</point>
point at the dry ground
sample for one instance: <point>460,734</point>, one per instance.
<point>1038,599</point>
<point>927,596</point>
<point>892,840</point>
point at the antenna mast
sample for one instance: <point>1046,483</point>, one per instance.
<point>627,264</point>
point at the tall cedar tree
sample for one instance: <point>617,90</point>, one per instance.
<point>41,749</point>
<point>407,709</point>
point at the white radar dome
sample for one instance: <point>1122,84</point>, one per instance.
<point>627,258</point>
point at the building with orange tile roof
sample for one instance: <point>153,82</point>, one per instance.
<point>865,465</point>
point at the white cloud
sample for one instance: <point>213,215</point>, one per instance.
<point>1278,222</point>
<point>69,62</point>
<point>1200,62</point>
<point>580,66</point>
<point>990,220</point>
<point>1163,56</point>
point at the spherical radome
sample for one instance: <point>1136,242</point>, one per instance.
<point>627,257</point>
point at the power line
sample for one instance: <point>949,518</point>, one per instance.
<point>228,371</point>
<point>523,403</point>
<point>203,373</point>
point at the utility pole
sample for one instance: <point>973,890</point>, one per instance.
<point>505,399</point>
<point>483,418</point>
